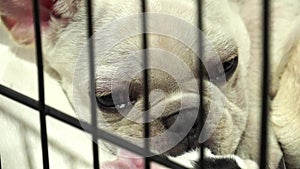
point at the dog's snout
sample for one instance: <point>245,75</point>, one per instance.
<point>177,123</point>
<point>170,120</point>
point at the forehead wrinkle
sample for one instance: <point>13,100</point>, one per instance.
<point>116,70</point>
<point>223,43</point>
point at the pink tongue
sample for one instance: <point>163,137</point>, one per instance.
<point>128,160</point>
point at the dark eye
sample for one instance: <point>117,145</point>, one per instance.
<point>218,76</point>
<point>120,102</point>
<point>230,67</point>
<point>105,101</point>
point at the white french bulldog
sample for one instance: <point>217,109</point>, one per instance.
<point>233,31</point>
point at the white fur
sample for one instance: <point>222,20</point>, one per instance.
<point>239,128</point>
<point>20,140</point>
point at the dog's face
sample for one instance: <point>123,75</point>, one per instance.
<point>119,81</point>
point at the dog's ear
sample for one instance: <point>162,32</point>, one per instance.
<point>17,16</point>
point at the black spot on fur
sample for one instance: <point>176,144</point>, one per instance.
<point>220,163</point>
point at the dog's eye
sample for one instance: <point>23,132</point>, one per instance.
<point>105,101</point>
<point>230,67</point>
<point>108,102</point>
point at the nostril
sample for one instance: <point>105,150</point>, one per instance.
<point>169,120</point>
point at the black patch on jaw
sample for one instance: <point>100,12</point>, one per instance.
<point>218,163</point>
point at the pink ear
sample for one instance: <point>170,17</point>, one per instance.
<point>17,16</point>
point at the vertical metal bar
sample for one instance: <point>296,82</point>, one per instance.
<point>0,163</point>
<point>146,85</point>
<point>39,56</point>
<point>92,84</point>
<point>265,86</point>
<point>200,72</point>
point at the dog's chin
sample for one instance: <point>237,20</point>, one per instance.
<point>180,148</point>
<point>187,145</point>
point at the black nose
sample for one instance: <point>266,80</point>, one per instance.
<point>186,119</point>
<point>189,140</point>
<point>169,120</point>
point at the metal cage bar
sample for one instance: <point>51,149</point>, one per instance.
<point>92,82</point>
<point>146,84</point>
<point>60,116</point>
<point>41,103</point>
<point>265,85</point>
<point>97,133</point>
<point>200,73</point>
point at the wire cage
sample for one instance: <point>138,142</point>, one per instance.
<point>45,110</point>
